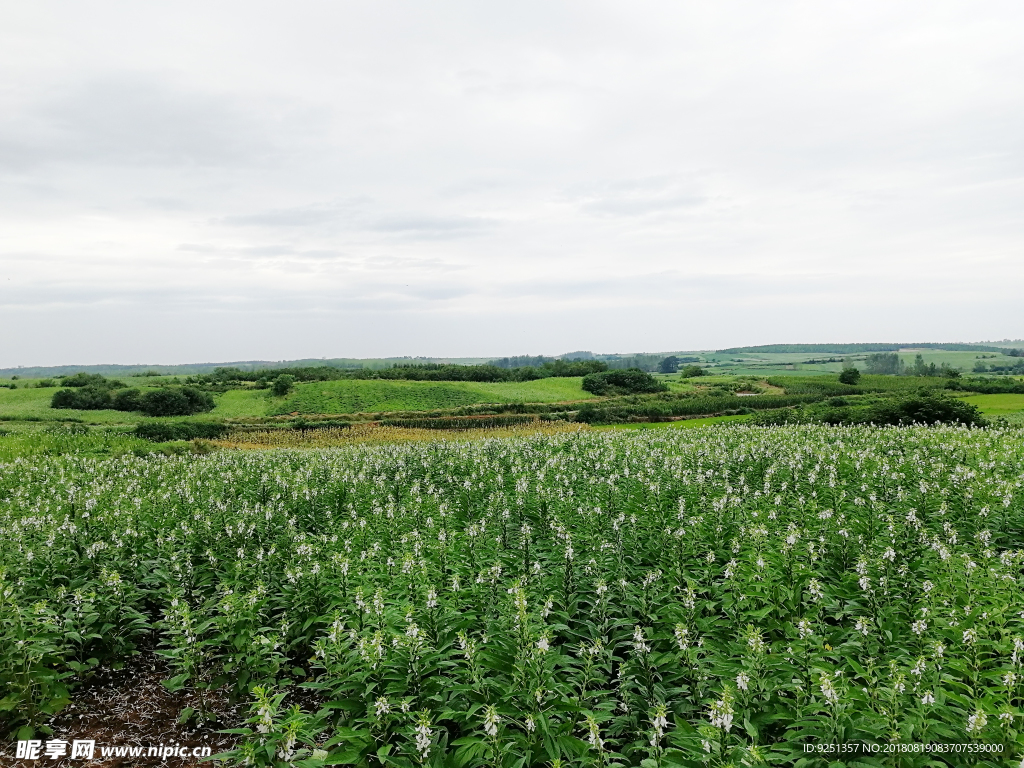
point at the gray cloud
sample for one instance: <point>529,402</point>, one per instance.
<point>397,179</point>
<point>135,120</point>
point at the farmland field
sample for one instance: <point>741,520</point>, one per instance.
<point>710,596</point>
<point>368,396</point>
<point>1010,407</point>
<point>345,396</point>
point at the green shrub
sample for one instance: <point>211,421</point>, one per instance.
<point>90,380</point>
<point>692,371</point>
<point>87,398</point>
<point>166,431</point>
<point>176,401</point>
<point>282,385</point>
<point>629,382</point>
<point>921,408</point>
<point>127,400</point>
<point>926,408</point>
<point>849,376</point>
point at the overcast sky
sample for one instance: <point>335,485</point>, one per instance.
<point>195,181</point>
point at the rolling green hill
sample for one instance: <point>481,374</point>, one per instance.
<point>369,396</point>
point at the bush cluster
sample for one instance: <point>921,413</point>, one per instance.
<point>91,392</point>
<point>664,410</point>
<point>165,431</point>
<point>410,372</point>
<point>629,382</point>
<point>924,407</point>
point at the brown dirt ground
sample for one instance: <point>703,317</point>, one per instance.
<point>131,707</point>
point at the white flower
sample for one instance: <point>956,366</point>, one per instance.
<point>542,645</point>
<point>828,690</point>
<point>721,714</point>
<point>594,734</point>
<point>862,626</point>
<point>976,722</point>
<point>919,627</point>
<point>423,736</point>
<point>970,636</point>
<point>928,698</point>
<point>530,723</point>
<point>382,706</point>
<point>491,720</point>
<point>815,591</point>
<point>682,636</point>
<point>742,681</point>
<point>803,628</point>
<point>639,643</point>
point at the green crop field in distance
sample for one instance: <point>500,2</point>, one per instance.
<point>553,390</point>
<point>34,405</point>
<point>343,396</point>
<point>369,396</point>
<point>1010,407</point>
<point>363,396</point>
<point>237,403</point>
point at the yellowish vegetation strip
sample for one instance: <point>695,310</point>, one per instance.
<point>372,433</point>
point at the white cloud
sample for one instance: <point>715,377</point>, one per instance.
<point>458,178</point>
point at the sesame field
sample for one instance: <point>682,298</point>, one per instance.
<point>722,595</point>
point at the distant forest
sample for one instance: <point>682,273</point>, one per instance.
<point>852,349</point>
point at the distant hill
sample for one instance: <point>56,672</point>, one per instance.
<point>246,365</point>
<point>852,349</point>
<point>644,360</point>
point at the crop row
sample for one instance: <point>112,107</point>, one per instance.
<point>687,597</point>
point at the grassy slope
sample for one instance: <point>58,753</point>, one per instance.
<point>357,396</point>
<point>1009,407</point>
<point>242,402</point>
<point>318,397</point>
<point>34,404</point>
<point>541,391</point>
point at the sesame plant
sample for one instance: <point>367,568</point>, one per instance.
<point>705,597</point>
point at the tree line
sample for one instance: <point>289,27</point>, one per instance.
<point>404,372</point>
<point>94,392</point>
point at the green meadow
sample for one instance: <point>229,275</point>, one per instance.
<point>1010,407</point>
<point>372,396</point>
<point>32,404</point>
